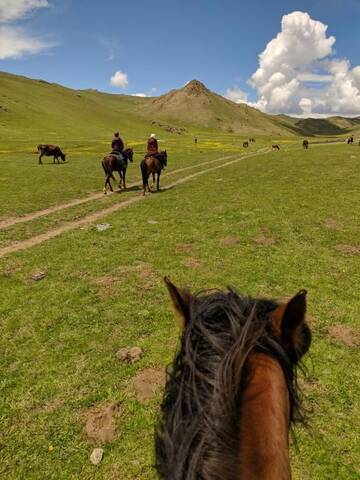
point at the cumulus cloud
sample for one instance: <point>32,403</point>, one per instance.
<point>141,95</point>
<point>119,80</point>
<point>150,93</point>
<point>15,42</point>
<point>11,10</point>
<point>236,95</point>
<point>298,75</point>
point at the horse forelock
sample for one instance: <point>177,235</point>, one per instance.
<point>197,433</point>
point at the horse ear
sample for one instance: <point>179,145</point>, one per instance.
<point>181,301</point>
<point>288,317</point>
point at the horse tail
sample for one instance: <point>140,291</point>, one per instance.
<point>144,173</point>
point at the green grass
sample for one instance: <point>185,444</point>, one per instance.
<point>59,336</point>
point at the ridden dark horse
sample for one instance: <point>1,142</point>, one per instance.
<point>305,144</point>
<point>152,165</point>
<point>231,393</point>
<point>111,164</point>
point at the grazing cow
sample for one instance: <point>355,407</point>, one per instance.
<point>245,144</point>
<point>50,151</point>
<point>305,144</point>
<point>276,147</point>
<point>252,140</point>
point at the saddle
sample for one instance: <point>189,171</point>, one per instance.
<point>120,157</point>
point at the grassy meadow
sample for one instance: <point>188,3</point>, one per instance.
<point>269,223</point>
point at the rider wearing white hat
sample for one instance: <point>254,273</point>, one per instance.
<point>152,145</point>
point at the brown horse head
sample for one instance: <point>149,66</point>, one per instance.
<point>231,392</point>
<point>162,156</point>
<point>129,154</point>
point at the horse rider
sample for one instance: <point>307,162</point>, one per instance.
<point>117,146</point>
<point>152,146</point>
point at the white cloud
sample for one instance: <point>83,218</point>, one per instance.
<point>15,42</point>
<point>236,95</point>
<point>11,10</point>
<point>301,54</point>
<point>150,93</point>
<point>119,80</point>
<point>142,95</point>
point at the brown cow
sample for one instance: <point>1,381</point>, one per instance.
<point>276,147</point>
<point>50,151</point>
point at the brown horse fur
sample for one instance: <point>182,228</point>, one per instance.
<point>231,394</point>
<point>152,165</point>
<point>276,147</point>
<point>48,150</point>
<point>111,164</point>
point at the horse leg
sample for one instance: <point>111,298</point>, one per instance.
<point>124,179</point>
<point>158,182</point>
<point>40,157</point>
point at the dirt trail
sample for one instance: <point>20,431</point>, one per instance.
<point>10,222</point>
<point>89,219</point>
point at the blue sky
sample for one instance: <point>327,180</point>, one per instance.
<point>161,44</point>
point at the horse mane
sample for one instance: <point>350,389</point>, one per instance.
<point>197,432</point>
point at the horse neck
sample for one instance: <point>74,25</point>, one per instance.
<point>264,422</point>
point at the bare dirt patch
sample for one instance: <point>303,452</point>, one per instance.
<point>229,241</point>
<point>147,383</point>
<point>348,249</point>
<point>263,240</point>
<point>107,286</point>
<point>193,263</point>
<point>344,334</point>
<point>183,248</point>
<point>101,422</point>
<point>332,224</point>
<point>218,209</point>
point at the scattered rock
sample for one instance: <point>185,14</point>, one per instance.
<point>39,275</point>
<point>332,224</point>
<point>344,334</point>
<point>101,227</point>
<point>130,355</point>
<point>229,241</point>
<point>183,248</point>
<point>147,382</point>
<point>263,240</point>
<point>348,249</point>
<point>100,423</point>
<point>193,263</point>
<point>152,222</point>
<point>96,456</point>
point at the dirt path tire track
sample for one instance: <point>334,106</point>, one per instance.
<point>91,218</point>
<point>10,222</point>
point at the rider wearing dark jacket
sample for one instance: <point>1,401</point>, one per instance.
<point>117,144</point>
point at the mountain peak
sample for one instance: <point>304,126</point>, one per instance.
<point>195,87</point>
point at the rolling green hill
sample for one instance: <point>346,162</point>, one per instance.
<point>40,111</point>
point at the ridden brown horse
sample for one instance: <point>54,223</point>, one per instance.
<point>111,164</point>
<point>153,164</point>
<point>231,393</point>
<point>305,144</point>
<point>275,147</point>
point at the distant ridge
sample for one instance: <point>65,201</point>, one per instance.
<point>50,108</point>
